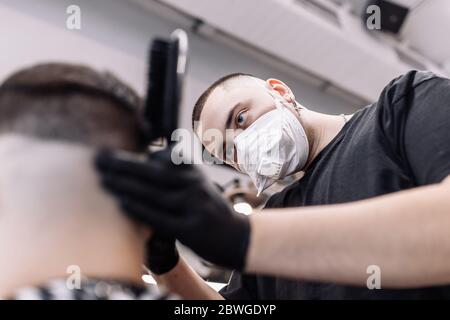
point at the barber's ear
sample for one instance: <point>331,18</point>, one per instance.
<point>281,88</point>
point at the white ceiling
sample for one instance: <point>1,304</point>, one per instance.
<point>321,41</point>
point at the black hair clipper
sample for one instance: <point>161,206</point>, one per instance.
<point>167,68</point>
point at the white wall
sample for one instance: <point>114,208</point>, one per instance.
<point>115,35</point>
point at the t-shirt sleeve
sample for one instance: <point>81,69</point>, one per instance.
<point>415,112</point>
<point>427,132</point>
<point>240,287</point>
<point>426,136</point>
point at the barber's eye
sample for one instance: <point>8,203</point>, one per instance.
<point>241,118</point>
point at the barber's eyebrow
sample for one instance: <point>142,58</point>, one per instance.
<point>231,113</point>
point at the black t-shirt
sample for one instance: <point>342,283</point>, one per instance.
<point>400,142</point>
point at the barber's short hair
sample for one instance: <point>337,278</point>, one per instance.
<point>71,103</point>
<point>198,107</point>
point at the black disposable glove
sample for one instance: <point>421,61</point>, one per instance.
<point>162,254</point>
<point>178,201</point>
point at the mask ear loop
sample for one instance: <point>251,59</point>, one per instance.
<point>295,106</point>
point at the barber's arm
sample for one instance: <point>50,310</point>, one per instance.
<point>405,234</point>
<point>185,282</point>
<point>172,272</point>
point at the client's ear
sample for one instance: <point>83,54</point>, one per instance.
<point>281,88</point>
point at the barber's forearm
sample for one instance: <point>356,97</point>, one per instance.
<point>185,282</point>
<point>406,234</point>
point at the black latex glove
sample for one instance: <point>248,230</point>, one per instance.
<point>178,201</point>
<point>162,254</point>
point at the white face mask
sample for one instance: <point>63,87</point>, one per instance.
<point>273,147</point>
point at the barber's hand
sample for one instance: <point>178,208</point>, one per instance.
<point>178,201</point>
<point>162,254</point>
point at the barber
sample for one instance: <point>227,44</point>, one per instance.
<point>374,195</point>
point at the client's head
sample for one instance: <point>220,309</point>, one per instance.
<point>53,118</point>
<point>70,103</point>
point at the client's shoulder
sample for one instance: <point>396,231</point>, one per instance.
<point>92,289</point>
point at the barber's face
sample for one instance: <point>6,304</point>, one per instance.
<point>236,105</point>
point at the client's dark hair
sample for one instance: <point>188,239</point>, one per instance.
<point>71,103</point>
